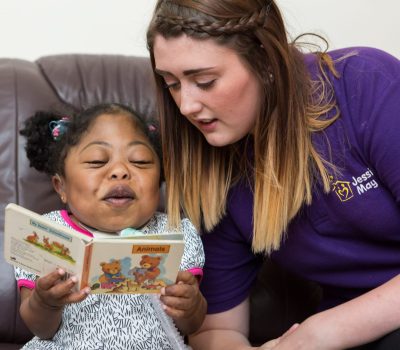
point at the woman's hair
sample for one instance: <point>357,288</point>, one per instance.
<point>286,164</point>
<point>50,135</point>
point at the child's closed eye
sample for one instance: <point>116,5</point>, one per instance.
<point>142,162</point>
<point>96,163</point>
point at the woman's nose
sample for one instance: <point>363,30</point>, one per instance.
<point>189,105</point>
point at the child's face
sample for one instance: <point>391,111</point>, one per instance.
<point>112,176</point>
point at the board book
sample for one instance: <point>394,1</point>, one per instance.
<point>107,263</point>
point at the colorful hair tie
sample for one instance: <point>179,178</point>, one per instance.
<point>152,128</point>
<point>58,128</point>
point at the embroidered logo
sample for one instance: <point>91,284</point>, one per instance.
<point>343,190</point>
<point>361,184</point>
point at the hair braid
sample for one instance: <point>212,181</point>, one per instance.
<point>217,27</point>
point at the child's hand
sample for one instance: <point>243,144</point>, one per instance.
<point>183,300</point>
<point>52,292</point>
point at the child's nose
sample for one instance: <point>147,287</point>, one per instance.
<point>120,171</point>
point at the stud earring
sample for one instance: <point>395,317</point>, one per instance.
<point>271,77</point>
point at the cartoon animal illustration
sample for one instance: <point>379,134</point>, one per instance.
<point>57,247</point>
<point>65,251</point>
<point>111,274</point>
<point>33,238</point>
<point>46,243</point>
<point>131,286</point>
<point>148,269</point>
<point>157,284</point>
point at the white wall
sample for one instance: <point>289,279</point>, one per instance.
<point>33,28</point>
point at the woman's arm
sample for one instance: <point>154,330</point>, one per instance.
<point>225,330</point>
<point>359,321</point>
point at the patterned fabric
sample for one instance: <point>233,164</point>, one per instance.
<point>117,321</point>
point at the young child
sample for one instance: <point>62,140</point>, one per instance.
<point>105,166</point>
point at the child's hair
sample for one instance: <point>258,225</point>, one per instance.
<point>50,135</point>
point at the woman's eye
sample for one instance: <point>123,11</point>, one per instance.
<point>172,86</point>
<point>206,85</point>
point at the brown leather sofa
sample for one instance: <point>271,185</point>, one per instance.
<point>67,82</point>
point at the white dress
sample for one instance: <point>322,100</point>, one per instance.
<point>119,321</point>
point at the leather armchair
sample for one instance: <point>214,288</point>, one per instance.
<point>68,82</point>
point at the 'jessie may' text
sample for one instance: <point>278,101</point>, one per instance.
<point>364,182</point>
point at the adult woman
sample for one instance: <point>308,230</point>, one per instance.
<point>302,145</point>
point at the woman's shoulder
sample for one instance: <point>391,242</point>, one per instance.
<point>353,62</point>
<point>362,59</point>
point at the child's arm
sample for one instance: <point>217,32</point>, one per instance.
<point>41,308</point>
<point>184,303</point>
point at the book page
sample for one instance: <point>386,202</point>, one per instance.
<point>40,245</point>
<point>133,265</point>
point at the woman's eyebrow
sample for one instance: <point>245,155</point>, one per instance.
<point>185,72</point>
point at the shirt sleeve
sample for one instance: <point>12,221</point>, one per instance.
<point>193,254</point>
<point>24,278</point>
<point>376,113</point>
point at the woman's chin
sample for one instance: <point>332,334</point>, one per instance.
<point>216,141</point>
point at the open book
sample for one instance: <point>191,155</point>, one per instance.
<point>107,263</point>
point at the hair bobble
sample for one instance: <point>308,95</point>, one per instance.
<point>152,128</point>
<point>58,128</point>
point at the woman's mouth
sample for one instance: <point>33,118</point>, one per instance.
<point>207,125</point>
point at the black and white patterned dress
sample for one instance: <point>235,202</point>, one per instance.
<point>118,321</point>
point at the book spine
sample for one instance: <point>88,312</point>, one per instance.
<point>86,266</point>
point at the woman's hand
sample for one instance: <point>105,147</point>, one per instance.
<point>273,343</point>
<point>184,302</point>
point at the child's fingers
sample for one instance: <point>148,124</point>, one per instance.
<point>176,302</point>
<point>60,293</point>
<point>174,313</point>
<point>48,281</point>
<point>186,277</point>
<point>180,296</point>
<point>180,290</point>
<point>63,288</point>
<point>76,297</point>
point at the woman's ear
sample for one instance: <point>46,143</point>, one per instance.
<point>58,185</point>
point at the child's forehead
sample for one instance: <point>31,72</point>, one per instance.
<point>117,121</point>
<point>116,129</point>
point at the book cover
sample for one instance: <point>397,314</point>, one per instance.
<point>107,263</point>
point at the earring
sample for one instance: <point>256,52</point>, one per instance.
<point>271,77</point>
<point>62,198</point>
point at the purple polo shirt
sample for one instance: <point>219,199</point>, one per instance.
<point>348,240</point>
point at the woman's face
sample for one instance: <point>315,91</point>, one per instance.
<point>211,86</point>
<point>112,176</point>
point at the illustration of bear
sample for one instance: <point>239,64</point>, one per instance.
<point>111,274</point>
<point>148,270</point>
